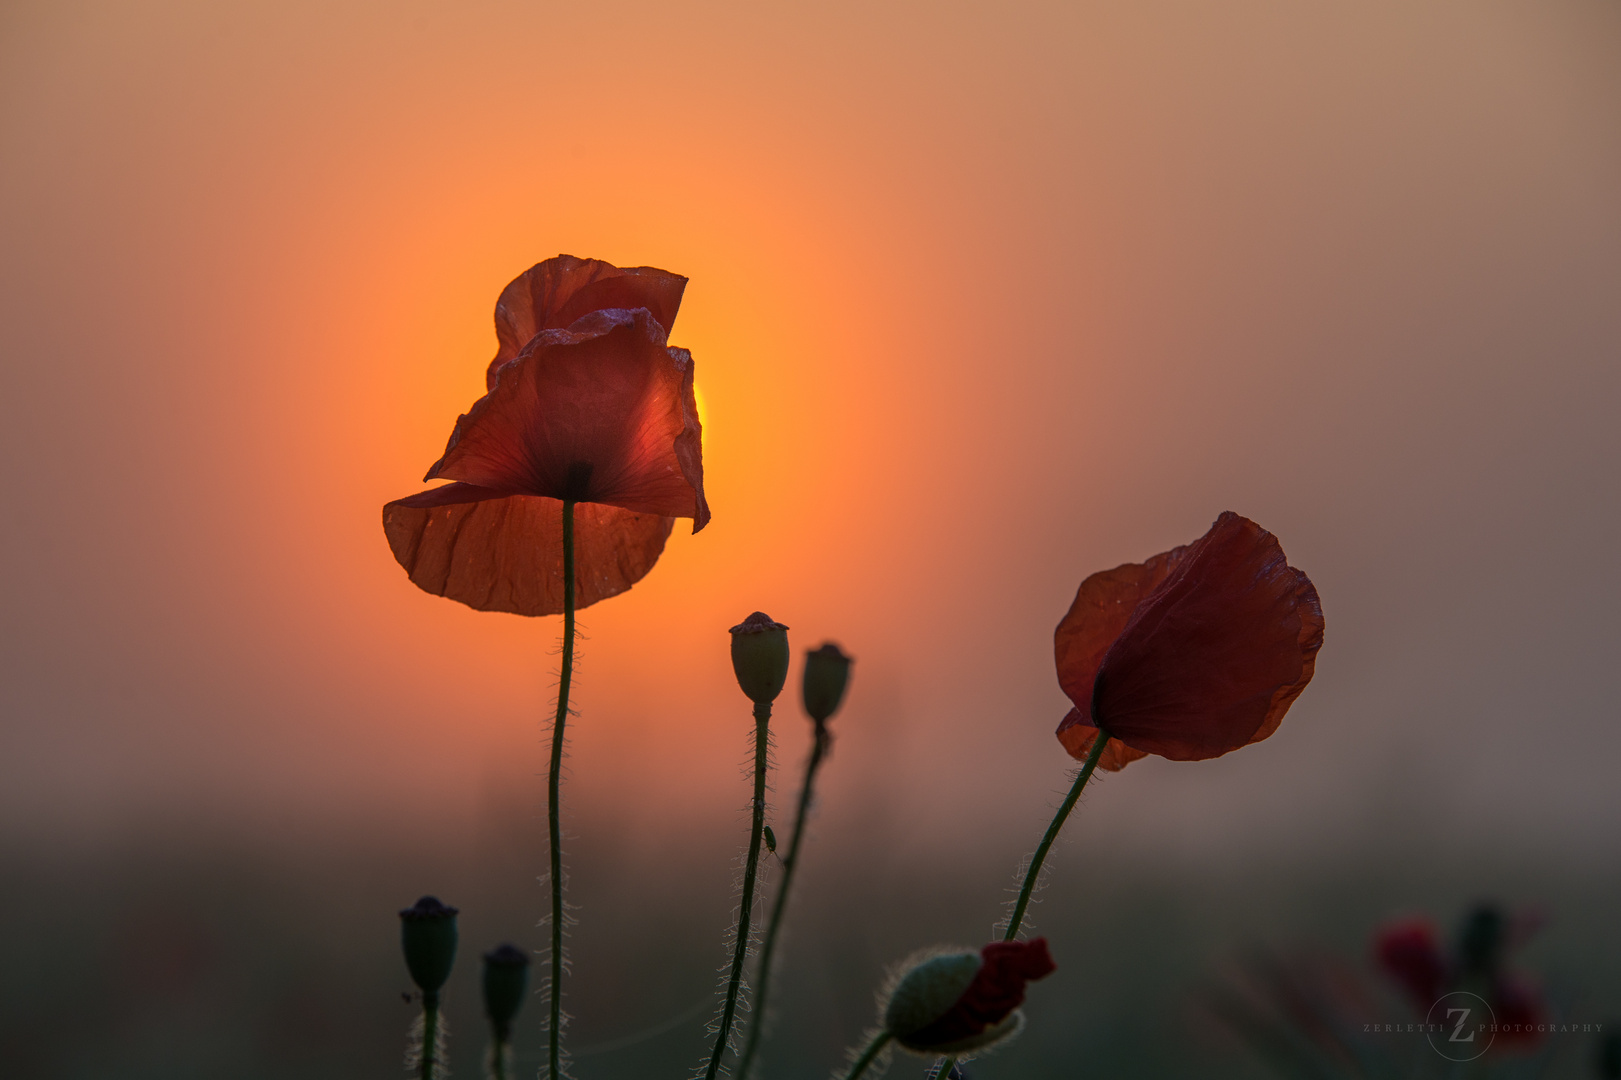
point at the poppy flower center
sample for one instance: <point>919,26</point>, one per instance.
<point>577,484</point>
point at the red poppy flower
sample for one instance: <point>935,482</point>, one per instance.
<point>1196,652</point>
<point>586,402</point>
<point>1410,953</point>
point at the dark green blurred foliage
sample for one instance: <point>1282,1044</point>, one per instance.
<point>1480,941</point>
<point>240,981</point>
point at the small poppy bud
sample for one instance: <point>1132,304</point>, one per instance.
<point>760,657</point>
<point>506,979</point>
<point>952,1003</point>
<point>827,672</point>
<point>428,932</point>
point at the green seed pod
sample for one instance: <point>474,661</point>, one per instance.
<point>827,673</point>
<point>927,991</point>
<point>506,980</point>
<point>760,657</point>
<point>428,933</point>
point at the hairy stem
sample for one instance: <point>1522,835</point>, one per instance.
<point>780,906</point>
<point>751,870</point>
<point>1016,919</point>
<point>554,1019</point>
<point>430,1034</point>
<point>868,1056</point>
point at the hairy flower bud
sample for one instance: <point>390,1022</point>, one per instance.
<point>827,673</point>
<point>506,978</point>
<point>760,657</point>
<point>956,1002</point>
<point>428,933</point>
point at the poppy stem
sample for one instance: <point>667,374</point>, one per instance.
<point>554,1019</point>
<point>751,869</point>
<point>763,977</point>
<point>869,1055</point>
<point>1016,919</point>
<point>430,1034</point>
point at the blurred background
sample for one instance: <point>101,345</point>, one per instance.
<point>984,297</point>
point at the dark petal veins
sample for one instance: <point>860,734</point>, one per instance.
<point>496,551</point>
<point>553,294</point>
<point>606,393</point>
<point>1216,652</point>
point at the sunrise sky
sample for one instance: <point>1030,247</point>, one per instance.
<point>983,298</point>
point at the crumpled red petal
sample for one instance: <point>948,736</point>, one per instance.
<point>606,394</point>
<point>1214,656</point>
<point>496,551</point>
<point>554,294</point>
<point>997,989</point>
<point>1103,606</point>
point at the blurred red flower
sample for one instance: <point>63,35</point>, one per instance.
<point>1410,953</point>
<point>1196,652</point>
<point>586,401</point>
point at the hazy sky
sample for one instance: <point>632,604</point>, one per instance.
<point>983,298</point>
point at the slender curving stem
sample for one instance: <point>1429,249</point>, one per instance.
<point>818,753</point>
<point>554,1017</point>
<point>869,1055</point>
<point>1017,918</point>
<point>751,870</point>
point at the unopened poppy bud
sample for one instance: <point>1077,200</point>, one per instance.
<point>827,673</point>
<point>506,979</point>
<point>952,1003</point>
<point>760,657</point>
<point>428,933</point>
<point>928,990</point>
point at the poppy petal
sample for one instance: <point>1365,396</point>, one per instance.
<point>1216,652</point>
<point>1103,607</point>
<point>606,395</point>
<point>496,551</point>
<point>1309,642</point>
<point>554,294</point>
<point>1078,733</point>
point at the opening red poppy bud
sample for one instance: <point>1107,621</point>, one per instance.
<point>760,657</point>
<point>956,1002</point>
